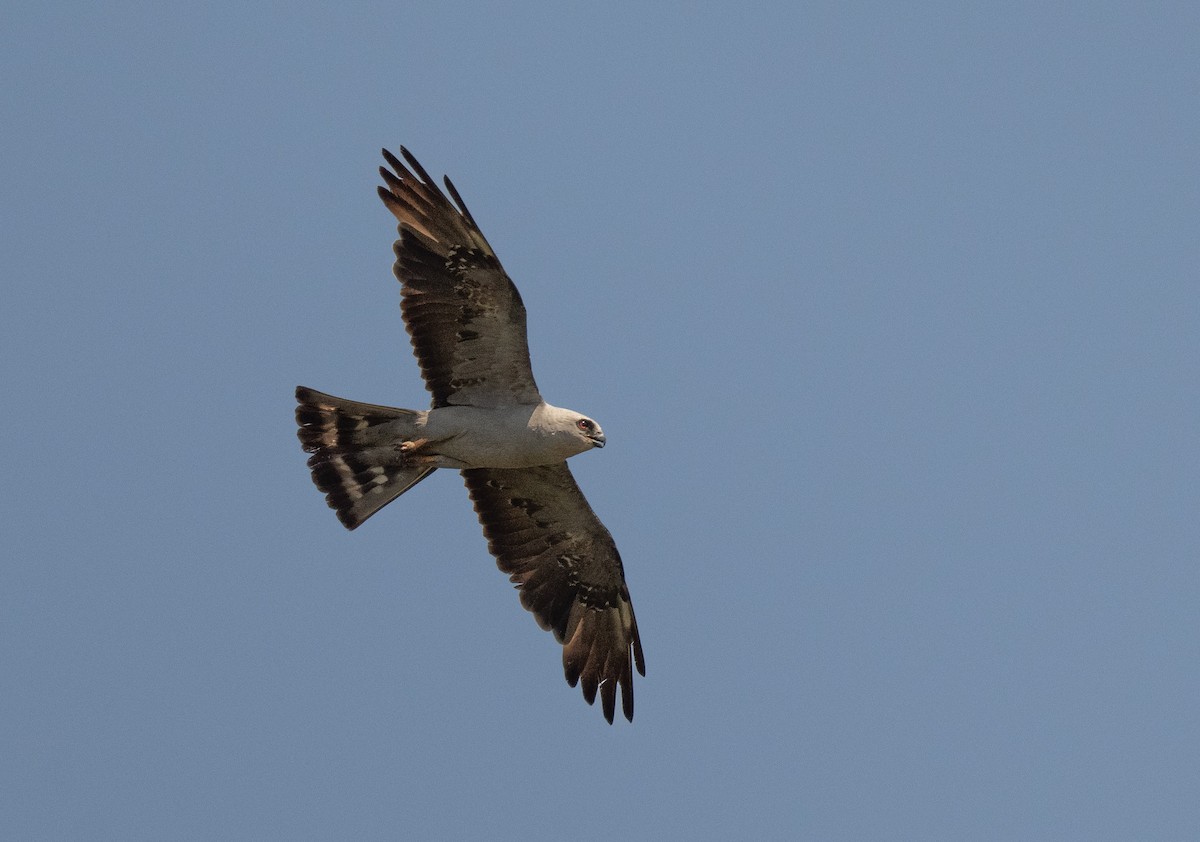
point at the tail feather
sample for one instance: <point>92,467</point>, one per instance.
<point>354,459</point>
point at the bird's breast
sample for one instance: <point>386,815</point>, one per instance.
<point>504,437</point>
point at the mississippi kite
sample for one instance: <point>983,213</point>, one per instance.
<point>487,420</point>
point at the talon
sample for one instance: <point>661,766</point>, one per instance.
<point>413,446</point>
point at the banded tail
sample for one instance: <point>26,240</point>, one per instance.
<point>355,458</point>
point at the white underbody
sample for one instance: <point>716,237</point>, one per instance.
<point>503,437</point>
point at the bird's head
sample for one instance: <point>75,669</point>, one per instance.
<point>590,430</point>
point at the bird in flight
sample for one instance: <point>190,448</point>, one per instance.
<point>488,421</point>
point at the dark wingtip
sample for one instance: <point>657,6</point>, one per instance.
<point>392,181</point>
<point>571,669</point>
<point>417,168</point>
<point>589,690</point>
<point>393,161</point>
<point>626,683</point>
<point>608,698</point>
<point>462,206</point>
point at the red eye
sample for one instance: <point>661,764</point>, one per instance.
<point>584,424</point>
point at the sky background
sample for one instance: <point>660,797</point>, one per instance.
<point>889,312</point>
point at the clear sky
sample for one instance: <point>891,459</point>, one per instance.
<point>889,311</point>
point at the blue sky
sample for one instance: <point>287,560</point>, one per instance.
<point>889,312</point>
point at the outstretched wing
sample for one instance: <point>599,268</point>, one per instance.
<point>463,314</point>
<point>546,537</point>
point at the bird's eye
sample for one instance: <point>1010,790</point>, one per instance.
<point>584,424</point>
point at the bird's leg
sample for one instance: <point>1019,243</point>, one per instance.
<point>415,453</point>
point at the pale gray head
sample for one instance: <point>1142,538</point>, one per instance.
<point>590,431</point>
<point>570,431</point>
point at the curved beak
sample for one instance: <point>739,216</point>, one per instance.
<point>598,440</point>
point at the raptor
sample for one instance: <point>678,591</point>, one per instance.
<point>488,421</point>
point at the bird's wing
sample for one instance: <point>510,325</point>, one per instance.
<point>546,537</point>
<point>463,314</point>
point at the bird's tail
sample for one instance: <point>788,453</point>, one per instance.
<point>355,459</point>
